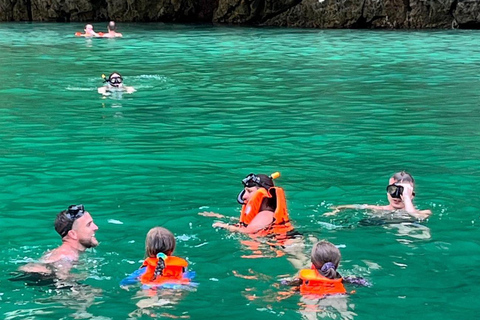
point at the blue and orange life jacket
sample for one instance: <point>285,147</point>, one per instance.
<point>173,273</point>
<point>281,222</point>
<point>313,283</point>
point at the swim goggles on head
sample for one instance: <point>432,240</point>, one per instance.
<point>252,180</point>
<point>73,213</point>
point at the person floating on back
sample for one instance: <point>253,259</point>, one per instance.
<point>264,209</point>
<point>400,194</point>
<point>114,83</point>
<point>112,31</point>
<point>323,279</point>
<point>161,269</point>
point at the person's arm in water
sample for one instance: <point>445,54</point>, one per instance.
<point>262,220</point>
<point>337,209</point>
<point>212,214</point>
<point>129,89</point>
<point>102,90</point>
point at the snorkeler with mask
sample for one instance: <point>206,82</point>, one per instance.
<point>400,194</point>
<point>114,83</point>
<point>264,210</point>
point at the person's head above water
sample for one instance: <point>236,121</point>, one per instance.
<point>253,182</point>
<point>75,224</point>
<point>159,240</point>
<point>89,29</point>
<point>326,258</point>
<point>396,185</point>
<point>112,26</point>
<point>115,79</point>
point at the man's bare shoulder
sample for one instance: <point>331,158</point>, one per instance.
<point>61,253</point>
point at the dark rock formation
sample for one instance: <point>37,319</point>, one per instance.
<point>396,14</point>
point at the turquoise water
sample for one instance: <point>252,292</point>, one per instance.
<point>336,112</point>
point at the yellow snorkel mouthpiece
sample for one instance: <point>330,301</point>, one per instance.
<point>275,175</point>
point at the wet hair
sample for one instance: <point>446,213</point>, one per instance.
<point>403,176</point>
<point>63,223</point>
<point>66,218</point>
<point>159,240</point>
<point>265,181</point>
<point>112,26</point>
<point>326,258</point>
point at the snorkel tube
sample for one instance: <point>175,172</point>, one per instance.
<point>252,180</point>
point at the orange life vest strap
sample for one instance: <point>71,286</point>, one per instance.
<point>252,208</point>
<point>281,222</point>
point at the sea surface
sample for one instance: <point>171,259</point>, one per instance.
<point>336,112</point>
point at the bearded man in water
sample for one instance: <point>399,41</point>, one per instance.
<point>77,229</point>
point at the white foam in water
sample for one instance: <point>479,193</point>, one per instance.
<point>151,76</point>
<point>80,89</point>
<point>113,221</point>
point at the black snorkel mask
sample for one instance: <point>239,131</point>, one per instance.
<point>114,81</point>
<point>395,191</point>
<point>252,180</point>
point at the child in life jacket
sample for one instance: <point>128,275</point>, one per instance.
<point>161,269</point>
<point>323,279</point>
<point>264,209</point>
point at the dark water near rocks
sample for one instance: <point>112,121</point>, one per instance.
<point>336,112</point>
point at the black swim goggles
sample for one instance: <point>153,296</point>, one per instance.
<point>73,213</point>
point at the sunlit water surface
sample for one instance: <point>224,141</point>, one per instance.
<point>336,112</point>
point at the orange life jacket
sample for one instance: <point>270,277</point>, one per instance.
<point>281,222</point>
<point>172,273</point>
<point>314,283</point>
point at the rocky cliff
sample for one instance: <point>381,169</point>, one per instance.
<point>397,14</point>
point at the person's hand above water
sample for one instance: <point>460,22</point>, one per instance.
<point>229,227</point>
<point>407,191</point>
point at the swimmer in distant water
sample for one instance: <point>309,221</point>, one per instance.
<point>112,31</point>
<point>88,32</point>
<point>400,194</point>
<point>264,208</point>
<point>77,229</point>
<point>114,83</point>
